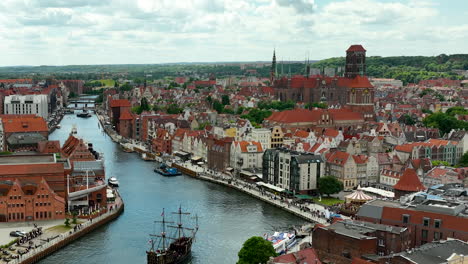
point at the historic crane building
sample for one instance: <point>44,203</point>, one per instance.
<point>353,91</point>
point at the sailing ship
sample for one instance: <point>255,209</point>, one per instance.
<point>172,250</point>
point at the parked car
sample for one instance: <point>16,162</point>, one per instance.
<point>17,233</point>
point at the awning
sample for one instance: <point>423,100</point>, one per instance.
<point>229,169</point>
<point>303,197</point>
<point>270,186</point>
<point>196,158</point>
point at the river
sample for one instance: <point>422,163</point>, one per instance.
<point>226,217</point>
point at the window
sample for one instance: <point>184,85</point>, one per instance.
<point>426,221</point>
<point>437,236</point>
<point>424,235</point>
<point>381,243</point>
<point>437,223</point>
<point>405,219</point>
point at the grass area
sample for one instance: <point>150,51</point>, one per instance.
<point>328,200</point>
<point>9,244</point>
<point>60,228</point>
<point>6,153</point>
<point>106,82</point>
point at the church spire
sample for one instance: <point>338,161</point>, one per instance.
<point>273,71</point>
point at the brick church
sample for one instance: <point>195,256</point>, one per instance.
<point>353,91</point>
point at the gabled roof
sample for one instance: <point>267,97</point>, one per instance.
<point>126,115</point>
<point>12,124</point>
<point>120,103</point>
<point>409,182</point>
<point>356,47</point>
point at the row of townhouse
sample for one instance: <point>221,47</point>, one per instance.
<point>435,149</point>
<point>352,170</point>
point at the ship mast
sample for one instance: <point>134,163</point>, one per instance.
<point>163,233</point>
<point>179,224</point>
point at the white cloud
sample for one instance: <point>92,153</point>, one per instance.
<point>153,31</point>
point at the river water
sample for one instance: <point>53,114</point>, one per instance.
<point>226,217</point>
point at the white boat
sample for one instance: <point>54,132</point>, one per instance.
<point>58,126</point>
<point>282,241</point>
<point>113,182</point>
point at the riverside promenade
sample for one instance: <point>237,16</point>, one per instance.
<point>312,212</point>
<point>308,211</point>
<point>51,240</point>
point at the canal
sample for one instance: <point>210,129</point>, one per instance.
<point>226,217</point>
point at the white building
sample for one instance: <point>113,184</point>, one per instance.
<point>262,135</point>
<point>2,140</point>
<point>26,105</point>
<point>246,155</point>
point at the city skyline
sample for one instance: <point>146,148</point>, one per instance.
<point>58,32</point>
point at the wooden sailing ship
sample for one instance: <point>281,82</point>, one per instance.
<point>172,250</point>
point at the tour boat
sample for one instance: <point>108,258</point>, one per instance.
<point>167,171</point>
<point>177,251</point>
<point>282,241</point>
<point>84,114</point>
<point>113,182</point>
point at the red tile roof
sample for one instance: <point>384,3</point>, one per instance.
<point>409,181</point>
<point>120,103</point>
<point>15,124</point>
<point>356,47</point>
<point>338,157</point>
<point>307,255</point>
<point>30,169</point>
<point>243,145</point>
<point>126,115</point>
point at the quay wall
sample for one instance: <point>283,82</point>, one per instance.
<point>71,238</point>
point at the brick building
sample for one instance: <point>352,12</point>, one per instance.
<point>408,183</point>
<point>354,90</point>
<point>117,107</point>
<point>163,142</point>
<point>427,220</point>
<point>219,153</point>
<point>348,239</point>
<point>29,200</point>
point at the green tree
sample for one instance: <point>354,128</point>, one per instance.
<point>463,162</point>
<point>407,120</point>
<point>218,106</point>
<point>317,105</point>
<point>67,222</point>
<point>173,109</point>
<point>72,94</point>
<point>209,99</point>
<point>256,250</point>
<point>225,99</point>
<point>144,105</point>
<point>126,87</point>
<point>444,122</point>
<point>329,185</point>
<point>74,220</point>
<point>440,163</point>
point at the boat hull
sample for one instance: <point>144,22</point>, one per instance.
<point>167,174</point>
<point>177,253</point>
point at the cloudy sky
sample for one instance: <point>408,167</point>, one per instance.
<point>64,32</point>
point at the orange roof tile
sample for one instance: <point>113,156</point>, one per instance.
<point>409,181</point>
<point>120,103</point>
<point>24,124</point>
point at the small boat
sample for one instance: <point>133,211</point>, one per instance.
<point>84,114</point>
<point>148,156</point>
<point>282,241</point>
<point>113,182</point>
<point>167,171</point>
<point>174,249</point>
<point>127,147</point>
<point>58,126</point>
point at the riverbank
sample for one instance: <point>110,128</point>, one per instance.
<point>310,212</point>
<point>49,242</point>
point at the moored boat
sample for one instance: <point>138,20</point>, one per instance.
<point>113,182</point>
<point>84,114</point>
<point>282,241</point>
<point>164,170</point>
<point>179,250</point>
<point>127,147</point>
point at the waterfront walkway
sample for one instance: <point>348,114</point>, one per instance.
<point>309,211</point>
<point>54,238</point>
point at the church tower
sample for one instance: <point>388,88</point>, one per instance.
<point>355,61</point>
<point>273,68</point>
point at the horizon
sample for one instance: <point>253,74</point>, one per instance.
<point>83,32</point>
